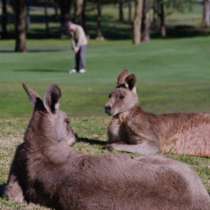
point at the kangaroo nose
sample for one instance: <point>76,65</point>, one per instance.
<point>107,109</point>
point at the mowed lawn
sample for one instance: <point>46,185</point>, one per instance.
<point>173,75</point>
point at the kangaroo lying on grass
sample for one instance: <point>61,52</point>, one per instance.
<point>133,130</point>
<point>57,176</point>
<point>18,186</point>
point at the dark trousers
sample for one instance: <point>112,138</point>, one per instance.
<point>80,58</point>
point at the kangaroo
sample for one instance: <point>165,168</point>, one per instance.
<point>59,128</point>
<point>134,130</point>
<point>63,179</point>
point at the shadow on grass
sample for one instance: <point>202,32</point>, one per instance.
<point>47,50</point>
<point>6,51</point>
<point>40,70</point>
<point>34,50</point>
<point>2,189</point>
<point>183,31</point>
<point>92,141</point>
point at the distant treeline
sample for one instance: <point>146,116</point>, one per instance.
<point>142,16</point>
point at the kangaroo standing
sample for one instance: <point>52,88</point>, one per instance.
<point>63,179</point>
<point>133,130</point>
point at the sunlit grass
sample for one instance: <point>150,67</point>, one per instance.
<point>172,76</point>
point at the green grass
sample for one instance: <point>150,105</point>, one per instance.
<point>170,72</point>
<point>173,76</point>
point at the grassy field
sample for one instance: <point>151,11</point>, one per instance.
<point>173,76</point>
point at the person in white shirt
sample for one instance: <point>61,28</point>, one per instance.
<point>79,46</point>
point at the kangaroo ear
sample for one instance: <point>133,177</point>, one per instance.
<point>52,98</point>
<point>32,95</point>
<point>121,77</point>
<point>34,98</point>
<point>130,80</point>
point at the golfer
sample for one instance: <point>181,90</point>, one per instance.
<point>79,46</point>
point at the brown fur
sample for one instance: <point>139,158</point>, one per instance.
<point>18,184</point>
<point>56,176</point>
<point>134,130</point>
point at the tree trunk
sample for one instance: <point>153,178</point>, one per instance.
<point>4,19</point>
<point>83,16</point>
<point>79,7</point>
<point>145,26</point>
<point>99,33</point>
<point>74,16</point>
<point>65,9</point>
<point>155,17</point>
<point>129,11</point>
<point>137,22</point>
<point>206,13</point>
<point>55,6</point>
<point>46,19</point>
<point>80,13</point>
<point>162,19</point>
<point>21,25</point>
<point>121,12</point>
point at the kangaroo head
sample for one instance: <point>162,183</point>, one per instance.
<point>124,97</point>
<point>48,121</point>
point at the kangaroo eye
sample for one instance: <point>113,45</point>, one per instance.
<point>122,96</point>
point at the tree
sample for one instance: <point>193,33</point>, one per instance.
<point>159,10</point>
<point>137,22</point>
<point>20,7</point>
<point>206,13</point>
<point>80,13</point>
<point>129,11</point>
<point>4,18</point>
<point>121,12</point>
<point>98,28</point>
<point>162,18</point>
<point>145,23</point>
<point>46,18</point>
<point>141,23</point>
<point>65,6</point>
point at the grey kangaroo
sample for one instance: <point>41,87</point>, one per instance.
<point>17,185</point>
<point>57,176</point>
<point>134,130</point>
